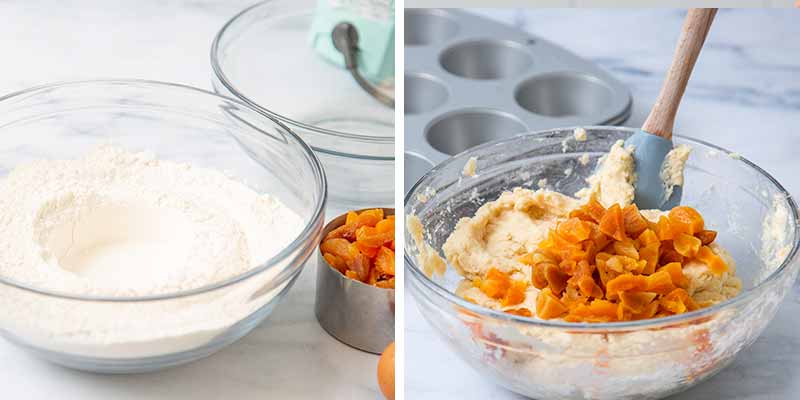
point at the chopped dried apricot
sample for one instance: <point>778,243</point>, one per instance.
<point>574,230</point>
<point>612,224</point>
<point>686,245</point>
<point>515,294</point>
<point>495,284</point>
<point>522,312</point>
<point>335,261</point>
<point>686,220</point>
<point>548,306</point>
<point>659,282</point>
<point>712,260</point>
<point>675,271</point>
<point>706,237</point>
<point>649,254</point>
<point>384,261</point>
<point>664,229</point>
<point>648,237</point>
<point>634,222</point>
<point>626,248</point>
<point>626,283</point>
<point>636,302</point>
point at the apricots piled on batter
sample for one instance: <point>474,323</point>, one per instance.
<point>363,248</point>
<point>603,265</point>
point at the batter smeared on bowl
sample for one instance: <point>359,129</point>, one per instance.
<point>593,257</point>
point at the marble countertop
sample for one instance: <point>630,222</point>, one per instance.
<point>289,355</point>
<point>745,83</point>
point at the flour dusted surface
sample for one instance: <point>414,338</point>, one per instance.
<point>121,224</point>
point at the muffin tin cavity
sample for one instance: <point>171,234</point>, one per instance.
<point>425,27</point>
<point>456,132</point>
<point>486,59</point>
<point>423,93</point>
<point>415,166</point>
<point>564,94</point>
<point>475,80</point>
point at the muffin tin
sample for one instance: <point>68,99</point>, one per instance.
<point>470,80</point>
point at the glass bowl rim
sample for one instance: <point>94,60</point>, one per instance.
<point>588,327</point>
<point>298,242</point>
<point>216,66</point>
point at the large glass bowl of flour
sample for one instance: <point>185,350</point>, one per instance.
<point>647,359</point>
<point>106,267</point>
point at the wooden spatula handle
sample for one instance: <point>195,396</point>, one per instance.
<point>695,29</point>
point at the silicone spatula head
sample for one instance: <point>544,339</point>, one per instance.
<point>653,143</point>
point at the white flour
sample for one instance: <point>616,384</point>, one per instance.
<point>120,224</point>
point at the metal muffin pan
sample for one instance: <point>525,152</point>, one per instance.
<point>470,80</point>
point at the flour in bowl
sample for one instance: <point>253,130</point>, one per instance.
<point>120,224</point>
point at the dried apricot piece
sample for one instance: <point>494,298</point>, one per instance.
<point>706,236</point>
<point>385,225</point>
<point>495,284</point>
<point>522,312</point>
<point>574,230</point>
<point>633,220</point>
<point>360,264</point>
<point>370,237</point>
<point>515,294</point>
<point>384,261</point>
<point>664,229</point>
<point>649,254</point>
<point>538,278</point>
<point>612,224</point>
<point>659,282</point>
<point>636,302</point>
<point>685,219</point>
<point>556,280</point>
<point>596,311</point>
<point>351,217</point>
<point>548,306</point>
<point>387,284</point>
<point>686,245</point>
<point>594,209</point>
<point>647,237</point>
<point>626,248</point>
<point>338,246</point>
<point>335,261</point>
<point>675,271</point>
<point>678,301</point>
<point>626,283</point>
<point>712,260</point>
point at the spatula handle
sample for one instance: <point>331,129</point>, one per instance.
<point>695,29</point>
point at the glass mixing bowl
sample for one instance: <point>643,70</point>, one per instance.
<point>627,360</point>
<point>176,123</point>
<point>263,57</point>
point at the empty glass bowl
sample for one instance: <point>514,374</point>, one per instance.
<point>264,57</point>
<point>179,123</point>
<point>756,220</point>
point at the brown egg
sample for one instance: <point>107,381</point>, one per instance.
<point>386,372</point>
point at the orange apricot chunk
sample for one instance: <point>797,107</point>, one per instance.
<point>385,225</point>
<point>649,254</point>
<point>515,294</point>
<point>556,279</point>
<point>335,261</point>
<point>594,209</point>
<point>706,236</point>
<point>387,284</point>
<point>675,271</point>
<point>626,283</point>
<point>612,224</point>
<point>685,219</point>
<point>384,261</point>
<point>636,302</point>
<point>686,245</point>
<point>351,217</point>
<point>678,301</point>
<point>538,278</point>
<point>574,230</point>
<point>647,237</point>
<point>352,275</point>
<point>626,248</point>
<point>548,306</point>
<point>339,247</point>
<point>360,264</point>
<point>659,282</point>
<point>714,262</point>
<point>668,254</point>
<point>370,237</point>
<point>522,312</point>
<point>495,284</point>
<point>597,311</point>
<point>633,220</point>
<point>664,229</point>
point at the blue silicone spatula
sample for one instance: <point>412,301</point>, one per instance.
<point>653,142</point>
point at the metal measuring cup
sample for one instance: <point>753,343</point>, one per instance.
<point>357,314</point>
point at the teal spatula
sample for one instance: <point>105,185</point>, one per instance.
<point>653,142</point>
